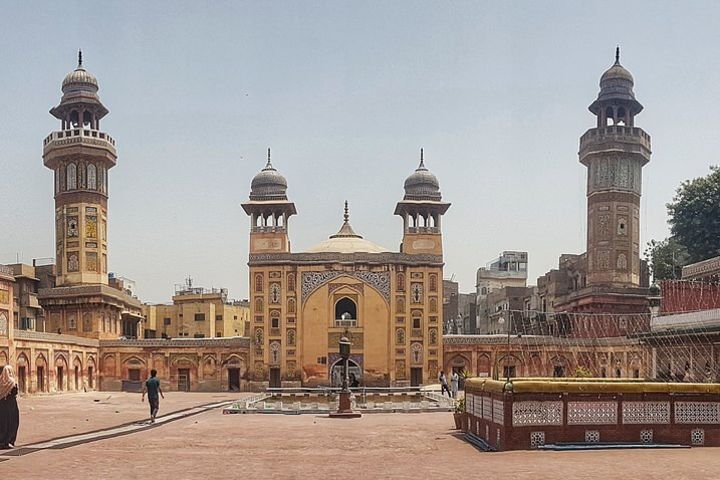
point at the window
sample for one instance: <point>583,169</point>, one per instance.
<point>218,334</point>
<point>258,283</point>
<point>416,323</point>
<point>71,177</point>
<point>291,282</point>
<point>433,282</point>
<point>72,324</point>
<point>322,360</point>
<point>275,320</point>
<point>199,317</point>
<point>218,318</point>
<point>91,177</point>
<point>345,313</point>
<point>166,321</point>
<point>199,335</point>
<point>509,371</point>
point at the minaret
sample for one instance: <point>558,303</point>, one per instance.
<point>614,153</point>
<point>421,210</point>
<point>80,155</point>
<point>269,210</point>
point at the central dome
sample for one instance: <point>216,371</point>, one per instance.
<point>346,241</point>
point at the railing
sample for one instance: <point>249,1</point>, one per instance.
<point>423,230</point>
<point>63,137</point>
<point>345,323</point>
<point>616,131</point>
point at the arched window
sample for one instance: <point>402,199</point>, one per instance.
<point>259,305</point>
<point>275,293</point>
<point>91,176</point>
<point>291,337</point>
<point>433,305</point>
<point>400,305</point>
<point>71,177</point>
<point>433,282</point>
<point>400,282</point>
<point>345,305</point>
<point>400,336</point>
<point>259,283</point>
<point>291,282</point>
<point>72,324</point>
<point>291,306</point>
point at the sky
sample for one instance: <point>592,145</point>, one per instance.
<point>346,93</point>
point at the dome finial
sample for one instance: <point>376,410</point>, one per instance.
<point>79,58</point>
<point>346,215</point>
<point>268,165</point>
<point>617,55</point>
<point>422,159</point>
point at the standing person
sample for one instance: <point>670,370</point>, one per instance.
<point>152,387</point>
<point>443,384</point>
<point>454,381</point>
<point>9,413</point>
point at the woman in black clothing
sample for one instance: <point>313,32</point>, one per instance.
<point>9,413</point>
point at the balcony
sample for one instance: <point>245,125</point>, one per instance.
<point>351,322</point>
<point>79,136</point>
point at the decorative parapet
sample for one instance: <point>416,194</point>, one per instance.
<point>711,266</point>
<point>79,137</point>
<point>258,259</point>
<point>380,281</point>
<point>538,340</point>
<point>30,335</point>
<point>230,342</point>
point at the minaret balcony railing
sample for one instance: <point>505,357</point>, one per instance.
<point>423,230</point>
<point>268,229</point>
<point>79,136</point>
<point>620,133</point>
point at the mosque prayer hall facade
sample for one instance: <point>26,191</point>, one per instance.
<point>389,304</point>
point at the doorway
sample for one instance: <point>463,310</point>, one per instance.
<point>274,377</point>
<point>416,376</point>
<point>91,379</point>
<point>77,377</point>
<point>60,375</point>
<point>234,379</point>
<point>183,379</point>
<point>22,385</point>
<point>40,379</point>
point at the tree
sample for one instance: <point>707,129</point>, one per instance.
<point>695,216</point>
<point>666,258</point>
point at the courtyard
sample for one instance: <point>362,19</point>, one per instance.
<point>193,439</point>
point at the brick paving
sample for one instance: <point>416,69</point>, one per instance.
<point>211,445</point>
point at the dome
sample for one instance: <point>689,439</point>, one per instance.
<point>269,184</point>
<point>80,79</point>
<point>422,184</point>
<point>346,241</point>
<point>616,87</point>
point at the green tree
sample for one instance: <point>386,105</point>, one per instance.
<point>695,216</point>
<point>666,258</point>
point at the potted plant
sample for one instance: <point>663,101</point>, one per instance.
<point>460,415</point>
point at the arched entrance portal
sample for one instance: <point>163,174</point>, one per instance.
<point>354,373</point>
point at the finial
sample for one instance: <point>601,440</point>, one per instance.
<point>346,215</point>
<point>268,165</point>
<point>422,159</point>
<point>617,55</point>
<point>79,58</point>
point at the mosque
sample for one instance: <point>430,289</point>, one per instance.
<point>388,303</point>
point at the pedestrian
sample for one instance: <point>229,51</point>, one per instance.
<point>454,382</point>
<point>444,384</point>
<point>9,413</point>
<point>152,387</point>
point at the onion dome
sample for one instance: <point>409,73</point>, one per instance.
<point>80,79</point>
<point>616,86</point>
<point>422,184</point>
<point>269,184</point>
<point>346,241</point>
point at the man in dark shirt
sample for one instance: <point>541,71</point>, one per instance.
<point>152,387</point>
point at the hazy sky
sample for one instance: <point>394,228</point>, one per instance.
<point>346,93</point>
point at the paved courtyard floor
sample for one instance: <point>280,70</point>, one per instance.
<point>205,444</point>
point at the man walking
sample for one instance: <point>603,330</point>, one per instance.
<point>152,387</point>
<point>443,384</point>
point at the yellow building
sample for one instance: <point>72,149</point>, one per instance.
<point>388,303</point>
<point>197,313</point>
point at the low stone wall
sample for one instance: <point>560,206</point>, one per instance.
<point>524,415</point>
